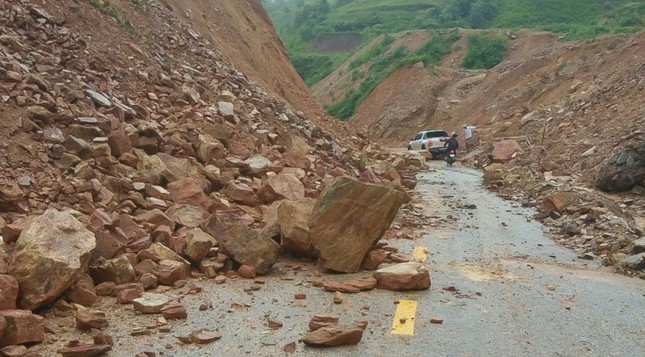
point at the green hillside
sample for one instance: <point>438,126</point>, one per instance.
<point>322,34</point>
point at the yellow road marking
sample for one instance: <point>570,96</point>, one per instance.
<point>403,323</point>
<point>420,254</point>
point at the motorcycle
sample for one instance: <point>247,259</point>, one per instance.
<point>451,157</point>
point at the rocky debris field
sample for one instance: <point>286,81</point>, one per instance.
<point>130,181</point>
<point>592,216</point>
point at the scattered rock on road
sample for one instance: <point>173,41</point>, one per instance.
<point>403,276</point>
<point>331,336</point>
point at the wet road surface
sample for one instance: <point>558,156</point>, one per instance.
<point>501,287</point>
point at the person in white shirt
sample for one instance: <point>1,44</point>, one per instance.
<point>468,136</point>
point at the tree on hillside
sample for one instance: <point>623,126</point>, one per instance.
<point>469,13</point>
<point>482,13</point>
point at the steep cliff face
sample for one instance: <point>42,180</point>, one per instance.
<point>242,31</point>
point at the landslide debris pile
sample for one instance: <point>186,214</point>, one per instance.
<point>121,175</point>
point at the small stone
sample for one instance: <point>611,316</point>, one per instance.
<point>150,303</point>
<point>322,320</point>
<point>246,271</point>
<point>85,350</point>
<point>174,312</point>
<point>274,324</point>
<point>139,331</point>
<point>436,321</point>
<point>205,336</point>
<point>300,296</point>
<point>338,297</point>
<point>89,319</point>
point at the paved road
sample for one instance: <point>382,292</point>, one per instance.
<point>517,294</point>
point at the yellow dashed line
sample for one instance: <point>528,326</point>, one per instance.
<point>420,254</point>
<point>403,323</point>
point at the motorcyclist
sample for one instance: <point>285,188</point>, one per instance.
<point>452,145</point>
<point>452,142</point>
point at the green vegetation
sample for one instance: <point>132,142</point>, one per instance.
<point>302,23</point>
<point>386,62</point>
<point>484,51</point>
<point>113,12</point>
<point>305,25</point>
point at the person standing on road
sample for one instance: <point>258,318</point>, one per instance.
<point>468,136</point>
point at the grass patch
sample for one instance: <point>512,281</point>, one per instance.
<point>484,51</point>
<point>383,64</point>
<point>114,13</point>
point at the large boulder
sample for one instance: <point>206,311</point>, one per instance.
<point>280,187</point>
<point>622,171</point>
<point>49,256</point>
<point>293,219</point>
<point>348,218</point>
<point>403,276</point>
<point>245,245</point>
<point>505,150</point>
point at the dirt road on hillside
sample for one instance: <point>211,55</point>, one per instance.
<point>501,287</point>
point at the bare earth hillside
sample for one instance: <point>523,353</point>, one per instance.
<point>566,106</point>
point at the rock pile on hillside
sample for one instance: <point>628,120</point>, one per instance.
<point>116,180</point>
<point>594,224</point>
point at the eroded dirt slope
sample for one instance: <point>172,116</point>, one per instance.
<point>569,105</point>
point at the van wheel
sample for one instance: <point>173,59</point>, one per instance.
<point>409,147</point>
<point>423,146</point>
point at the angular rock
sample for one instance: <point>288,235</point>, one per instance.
<point>170,271</point>
<point>505,150</point>
<point>622,171</point>
<point>119,143</point>
<point>560,201</point>
<point>341,287</point>
<point>98,98</point>
<point>633,262</point>
<point>205,336</point>
<point>243,244</point>
<point>85,350</point>
<point>13,351</point>
<point>158,252</point>
<point>331,336</point>
<point>322,320</point>
<point>362,284</point>
<point>22,327</point>
<point>403,276</point>
<point>89,319</point>
<point>189,191</point>
<point>256,165</point>
<point>242,193</point>
<point>174,312</point>
<point>8,292</point>
<point>348,218</point>
<point>280,187</point>
<point>151,303</point>
<point>130,293</point>
<point>293,220</point>
<point>639,246</point>
<point>118,270</point>
<point>83,291</point>
<point>198,244</point>
<point>49,256</point>
<point>373,259</point>
<point>209,149</point>
<point>187,215</point>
